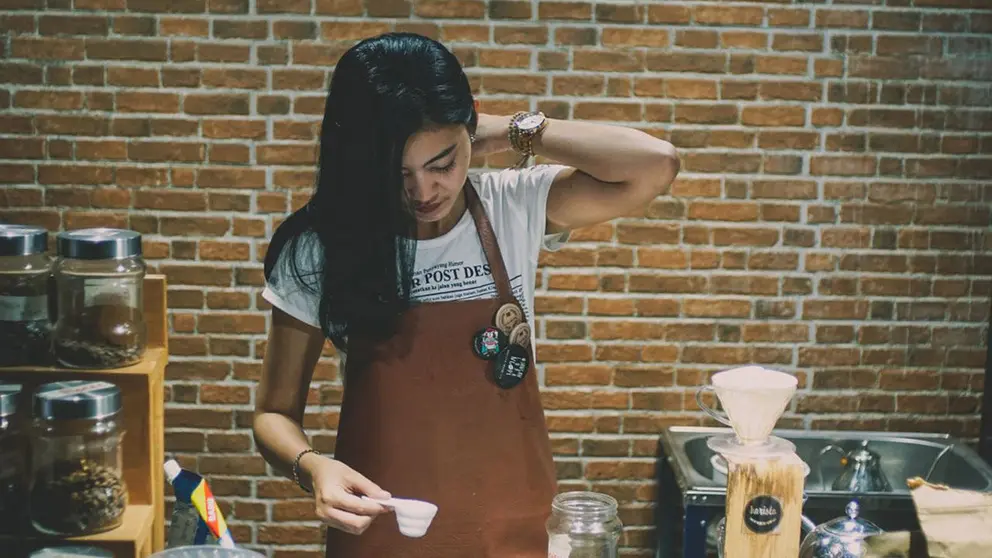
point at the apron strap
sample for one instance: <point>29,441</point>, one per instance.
<point>489,244</point>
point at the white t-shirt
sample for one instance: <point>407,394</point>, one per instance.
<point>453,266</point>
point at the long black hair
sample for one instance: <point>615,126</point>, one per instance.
<point>384,89</point>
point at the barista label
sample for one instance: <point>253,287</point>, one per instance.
<point>763,514</point>
<point>23,308</point>
<point>110,291</point>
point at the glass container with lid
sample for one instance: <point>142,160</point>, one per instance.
<point>583,525</point>
<point>77,482</point>
<point>13,461</point>
<point>73,551</point>
<point>99,275</point>
<point>843,537</point>
<point>25,271</point>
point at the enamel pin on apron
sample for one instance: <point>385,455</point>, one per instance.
<point>520,335</point>
<point>508,317</point>
<point>489,343</point>
<point>511,366</point>
<point>513,362</point>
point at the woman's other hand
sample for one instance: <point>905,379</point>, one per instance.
<point>338,491</point>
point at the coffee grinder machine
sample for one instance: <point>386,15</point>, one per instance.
<point>765,476</point>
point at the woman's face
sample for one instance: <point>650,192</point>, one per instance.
<point>435,164</point>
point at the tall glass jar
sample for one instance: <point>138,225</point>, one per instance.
<point>99,275</point>
<point>77,481</point>
<point>583,525</point>
<point>25,270</point>
<point>13,462</point>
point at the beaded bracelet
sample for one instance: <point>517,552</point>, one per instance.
<point>296,467</point>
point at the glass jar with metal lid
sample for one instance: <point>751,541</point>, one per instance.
<point>99,275</point>
<point>583,525</point>
<point>13,462</point>
<point>77,482</point>
<point>72,551</point>
<point>25,271</point>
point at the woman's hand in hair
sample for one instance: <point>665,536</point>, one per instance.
<point>491,135</point>
<point>338,491</point>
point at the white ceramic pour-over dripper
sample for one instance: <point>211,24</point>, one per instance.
<point>412,516</point>
<point>754,399</point>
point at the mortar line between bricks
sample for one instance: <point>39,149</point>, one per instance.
<point>730,297</point>
<point>728,175</point>
<point>652,74</point>
<point>534,20</point>
<point>724,272</point>
<point>784,321</point>
<point>587,246</point>
<point>680,126</point>
<point>755,151</point>
<point>645,101</point>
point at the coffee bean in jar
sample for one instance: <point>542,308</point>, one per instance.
<point>77,484</point>
<point>25,272</point>
<point>13,462</point>
<point>99,275</point>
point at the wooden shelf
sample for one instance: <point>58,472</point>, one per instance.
<point>132,538</point>
<point>146,367</point>
<point>143,444</point>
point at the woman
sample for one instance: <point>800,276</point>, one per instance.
<point>423,278</point>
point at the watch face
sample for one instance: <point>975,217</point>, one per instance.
<point>531,122</point>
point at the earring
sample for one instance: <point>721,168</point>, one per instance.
<point>471,138</point>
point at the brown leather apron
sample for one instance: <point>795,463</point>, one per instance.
<point>422,418</point>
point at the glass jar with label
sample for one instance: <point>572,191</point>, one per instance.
<point>25,271</point>
<point>77,481</point>
<point>13,462</point>
<point>583,525</point>
<point>99,275</point>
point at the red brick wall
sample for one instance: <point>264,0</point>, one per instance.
<point>832,217</point>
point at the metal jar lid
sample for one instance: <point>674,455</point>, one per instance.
<point>76,399</point>
<point>8,399</point>
<point>71,552</point>
<point>99,244</point>
<point>22,240</point>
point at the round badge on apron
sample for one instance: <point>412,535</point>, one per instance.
<point>489,343</point>
<point>511,366</point>
<point>508,316</point>
<point>520,335</point>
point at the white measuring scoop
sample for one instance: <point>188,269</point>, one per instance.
<point>412,516</point>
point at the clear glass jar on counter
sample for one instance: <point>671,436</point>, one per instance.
<point>25,272</point>
<point>13,462</point>
<point>583,525</point>
<point>99,275</point>
<point>77,481</point>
